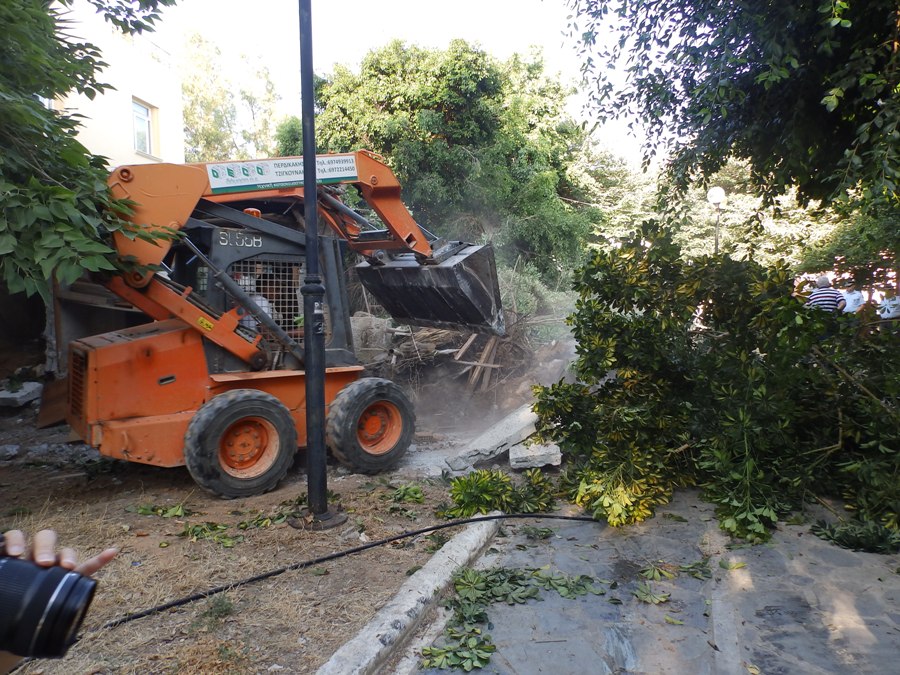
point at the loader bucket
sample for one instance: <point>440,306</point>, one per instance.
<point>460,292</point>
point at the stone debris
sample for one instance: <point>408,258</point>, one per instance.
<point>8,452</point>
<point>349,534</point>
<point>536,455</point>
<point>55,455</point>
<point>371,336</point>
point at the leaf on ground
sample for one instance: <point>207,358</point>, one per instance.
<point>645,593</point>
<point>728,565</point>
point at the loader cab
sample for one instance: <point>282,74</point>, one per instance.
<point>268,268</point>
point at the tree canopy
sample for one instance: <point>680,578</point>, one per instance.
<point>427,112</point>
<point>806,92</point>
<point>483,148</point>
<point>217,124</point>
<point>707,370</point>
<point>54,205</point>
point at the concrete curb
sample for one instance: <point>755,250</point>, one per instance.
<point>724,617</point>
<point>393,624</point>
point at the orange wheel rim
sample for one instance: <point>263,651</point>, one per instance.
<point>248,447</point>
<point>380,427</point>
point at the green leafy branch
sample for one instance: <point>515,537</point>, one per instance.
<point>486,490</point>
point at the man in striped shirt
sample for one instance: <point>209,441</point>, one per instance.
<point>825,297</point>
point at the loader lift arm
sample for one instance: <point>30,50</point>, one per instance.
<point>455,286</point>
<point>166,194</point>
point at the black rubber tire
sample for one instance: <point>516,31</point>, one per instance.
<point>370,425</point>
<point>253,421</point>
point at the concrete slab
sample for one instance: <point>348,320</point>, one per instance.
<point>512,429</point>
<point>25,393</point>
<point>523,456</point>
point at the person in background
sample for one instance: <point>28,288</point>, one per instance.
<point>854,299</point>
<point>825,297</point>
<point>43,552</point>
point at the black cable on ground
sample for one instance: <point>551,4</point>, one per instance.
<point>332,556</point>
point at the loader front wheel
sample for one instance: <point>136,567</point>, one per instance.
<point>241,443</point>
<point>370,425</point>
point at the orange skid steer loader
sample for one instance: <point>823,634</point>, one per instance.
<point>215,381</point>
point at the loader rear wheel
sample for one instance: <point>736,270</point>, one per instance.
<point>370,425</point>
<point>241,443</point>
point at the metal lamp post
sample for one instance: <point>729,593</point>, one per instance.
<point>716,196</point>
<point>313,291</point>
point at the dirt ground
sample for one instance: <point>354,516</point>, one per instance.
<point>292,622</point>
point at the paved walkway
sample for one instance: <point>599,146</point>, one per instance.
<point>796,605</point>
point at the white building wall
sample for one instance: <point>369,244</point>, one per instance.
<point>141,67</point>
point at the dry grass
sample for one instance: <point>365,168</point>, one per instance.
<point>295,620</point>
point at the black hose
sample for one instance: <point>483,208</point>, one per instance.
<point>331,556</point>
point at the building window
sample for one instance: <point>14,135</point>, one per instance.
<point>143,127</point>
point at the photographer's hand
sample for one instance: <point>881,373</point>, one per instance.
<point>43,552</point>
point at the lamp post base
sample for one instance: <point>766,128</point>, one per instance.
<point>317,522</point>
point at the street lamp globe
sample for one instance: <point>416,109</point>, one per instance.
<point>715,196</point>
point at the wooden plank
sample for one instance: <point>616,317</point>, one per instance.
<point>54,398</point>
<point>479,369</point>
<point>476,369</point>
<point>475,363</point>
<point>487,373</point>
<point>462,350</point>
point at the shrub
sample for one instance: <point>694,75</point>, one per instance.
<point>708,371</point>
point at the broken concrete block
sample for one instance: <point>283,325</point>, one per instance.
<point>8,452</point>
<point>512,429</point>
<point>371,332</point>
<point>523,456</point>
<point>27,392</point>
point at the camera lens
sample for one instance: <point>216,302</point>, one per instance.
<point>41,608</point>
